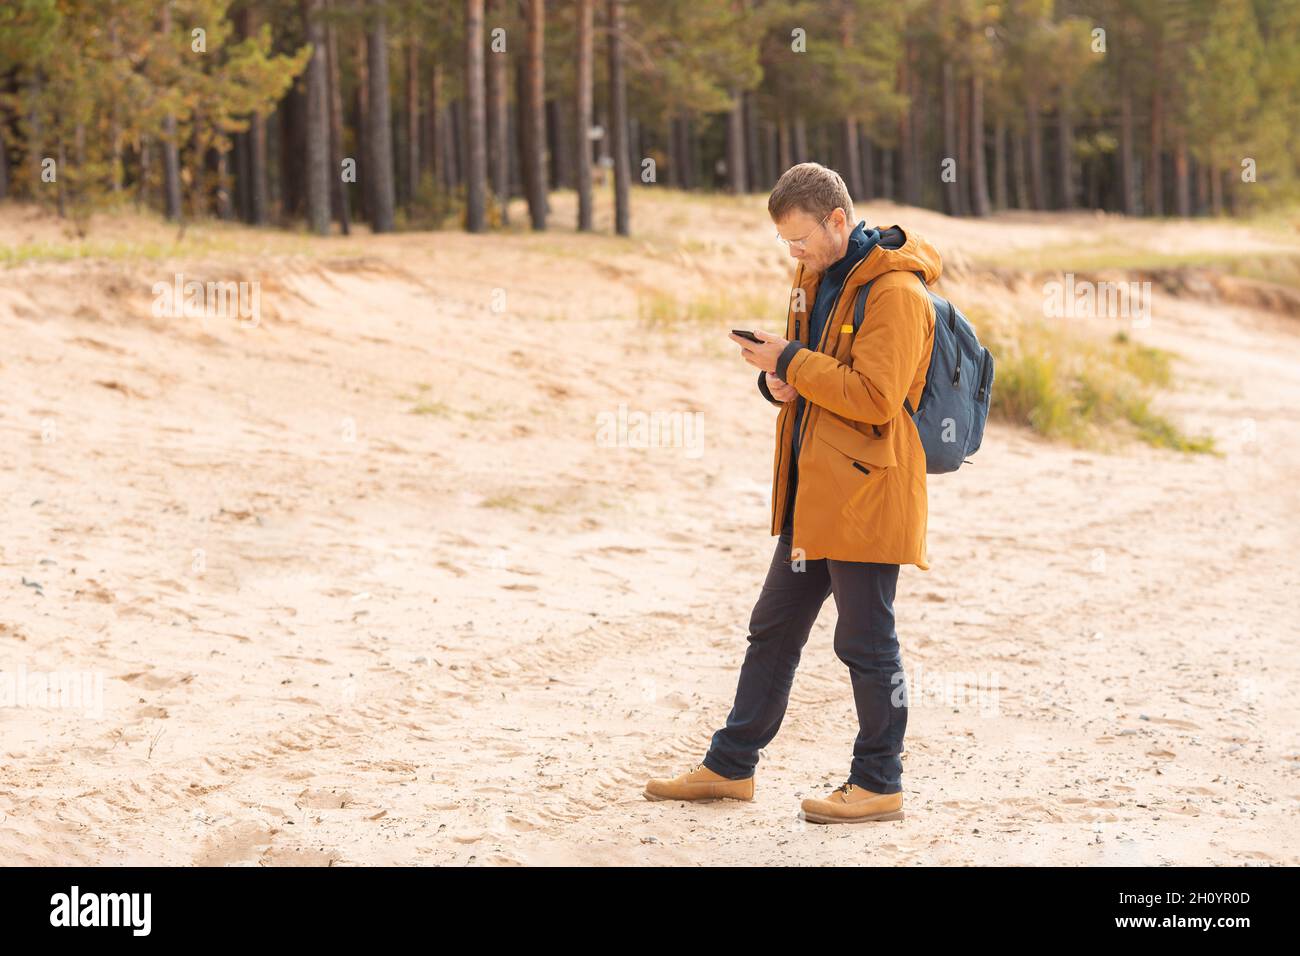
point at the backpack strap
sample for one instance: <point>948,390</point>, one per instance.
<point>860,305</point>
<point>859,308</point>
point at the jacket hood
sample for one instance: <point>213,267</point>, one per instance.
<point>899,251</point>
<point>895,250</point>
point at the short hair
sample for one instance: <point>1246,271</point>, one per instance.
<point>813,188</point>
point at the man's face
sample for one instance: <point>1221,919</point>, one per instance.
<point>823,243</point>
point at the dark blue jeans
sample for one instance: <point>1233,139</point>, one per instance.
<point>864,640</point>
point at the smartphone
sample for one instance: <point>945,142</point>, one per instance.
<point>744,334</point>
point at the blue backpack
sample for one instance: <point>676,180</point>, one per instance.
<point>954,403</point>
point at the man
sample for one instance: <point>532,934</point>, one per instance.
<point>848,492</point>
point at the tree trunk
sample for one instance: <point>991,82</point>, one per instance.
<point>1034,132</point>
<point>688,150</point>
<point>800,138</point>
<point>951,190</point>
<point>979,198</point>
<point>476,181</point>
<point>115,133</point>
<point>317,155</point>
<point>753,154</point>
<point>561,143</point>
<point>770,156</point>
<point>293,147</point>
<point>1018,169</point>
<point>171,169</point>
<point>965,187</point>
<point>1065,153</point>
<point>1182,180</point>
<point>682,152</point>
<point>141,193</point>
<point>634,150</point>
<point>1094,183</point>
<point>381,123</point>
<point>363,128</point>
<point>674,153</point>
<point>252,172</point>
<point>907,148</point>
<point>1127,172</point>
<point>868,164</point>
<point>523,129</point>
<point>225,206</point>
<point>582,138</point>
<point>171,150</point>
<point>498,131</point>
<point>457,153</point>
<point>1202,188</point>
<point>61,184</point>
<point>566,145</point>
<point>243,176</point>
<point>442,174</point>
<point>1216,192</point>
<point>1155,173</point>
<point>618,109</point>
<point>412,123</point>
<point>736,145</point>
<point>1000,164</point>
<point>852,158</point>
<point>534,113</point>
<point>514,149</point>
<point>337,187</point>
<point>258,187</point>
<point>785,154</point>
<point>191,185</point>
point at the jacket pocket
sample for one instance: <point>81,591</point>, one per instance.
<point>856,440</point>
<point>849,477</point>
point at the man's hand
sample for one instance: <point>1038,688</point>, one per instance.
<point>781,391</point>
<point>761,356</point>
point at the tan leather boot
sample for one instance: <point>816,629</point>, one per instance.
<point>700,784</point>
<point>849,803</point>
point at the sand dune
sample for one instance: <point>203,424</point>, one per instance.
<point>362,587</point>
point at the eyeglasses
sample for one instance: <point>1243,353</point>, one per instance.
<point>802,244</point>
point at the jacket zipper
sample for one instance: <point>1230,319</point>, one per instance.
<point>780,457</point>
<point>803,426</point>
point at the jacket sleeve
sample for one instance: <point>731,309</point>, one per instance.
<point>887,351</point>
<point>763,389</point>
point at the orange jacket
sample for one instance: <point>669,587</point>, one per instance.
<point>861,493</point>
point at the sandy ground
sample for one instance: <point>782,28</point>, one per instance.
<point>362,585</point>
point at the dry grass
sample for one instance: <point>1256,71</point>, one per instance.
<point>1086,392</point>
